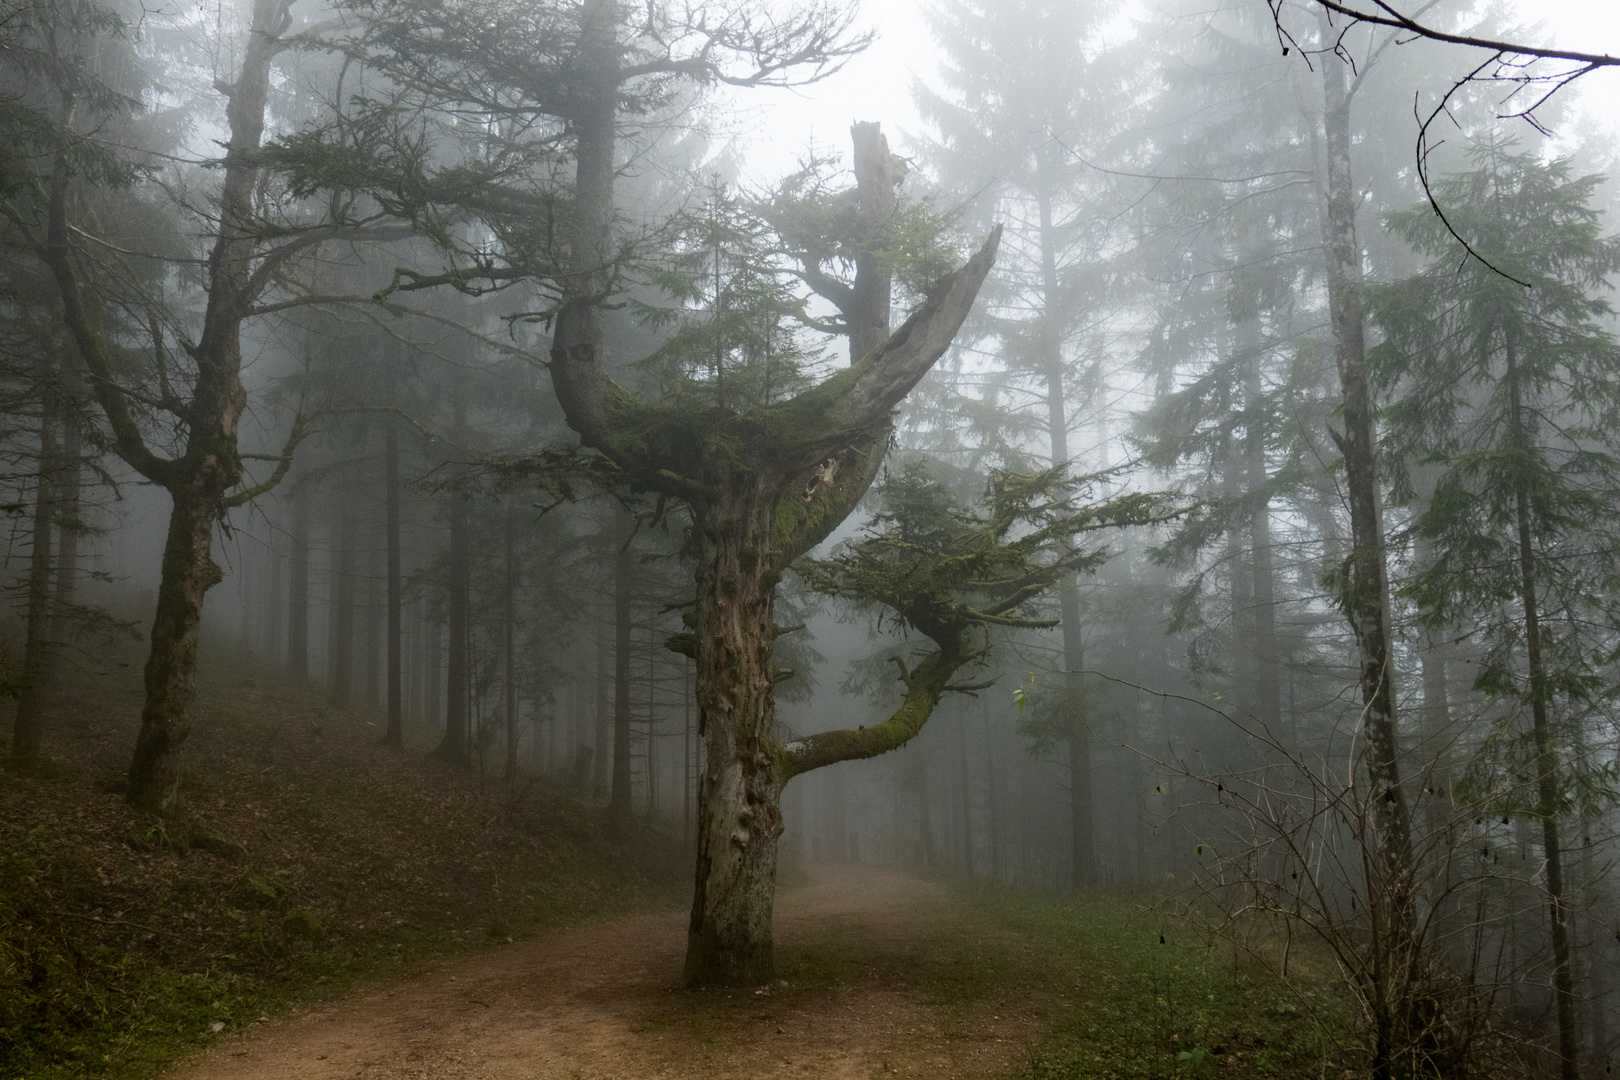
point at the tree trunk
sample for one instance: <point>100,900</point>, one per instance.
<point>37,644</point>
<point>968,861</point>
<point>739,813</point>
<point>1263,594</point>
<point>619,809</point>
<point>1365,590</point>
<point>298,588</point>
<point>456,745</point>
<point>395,734</point>
<point>1542,738</point>
<point>376,627</point>
<point>509,640</point>
<point>1083,840</point>
<point>189,571</point>
<point>69,501</point>
<point>340,619</point>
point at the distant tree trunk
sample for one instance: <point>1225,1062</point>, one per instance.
<point>434,648</point>
<point>619,810</point>
<point>298,588</point>
<point>69,498</point>
<point>37,644</point>
<point>376,626</point>
<point>602,760</point>
<point>395,735</point>
<point>509,639</point>
<point>1548,786</point>
<point>270,630</point>
<point>991,793</point>
<point>340,620</point>
<point>967,799</point>
<point>1083,845</point>
<point>456,746</point>
<point>1267,690</point>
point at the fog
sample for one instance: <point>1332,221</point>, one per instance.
<point>1284,342</point>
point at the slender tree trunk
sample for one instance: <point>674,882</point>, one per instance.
<point>1267,667</point>
<point>1365,590</point>
<point>340,621</point>
<point>376,627</point>
<point>739,817</point>
<point>619,808</point>
<point>1542,738</point>
<point>990,795</point>
<point>37,644</point>
<point>968,861</point>
<point>298,588</point>
<point>69,499</point>
<point>456,746</point>
<point>1083,838</point>
<point>602,760</point>
<point>395,735</point>
<point>509,639</point>
<point>434,709</point>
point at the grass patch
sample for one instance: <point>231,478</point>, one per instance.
<point>1142,999</point>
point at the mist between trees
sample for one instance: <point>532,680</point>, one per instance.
<point>1123,481</point>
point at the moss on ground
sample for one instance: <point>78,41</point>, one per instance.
<point>1140,996</point>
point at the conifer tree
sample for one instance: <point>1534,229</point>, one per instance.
<point>1503,381</point>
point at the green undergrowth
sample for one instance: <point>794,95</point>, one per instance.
<point>1141,996</point>
<point>308,857</point>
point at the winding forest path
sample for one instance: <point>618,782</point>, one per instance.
<point>885,976</point>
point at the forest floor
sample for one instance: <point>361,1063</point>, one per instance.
<point>329,908</point>
<point>881,974</point>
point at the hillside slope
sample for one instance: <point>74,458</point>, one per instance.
<point>308,854</point>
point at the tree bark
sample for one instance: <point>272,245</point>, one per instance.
<point>1365,589</point>
<point>739,817</point>
<point>200,479</point>
<point>1542,738</point>
<point>38,647</point>
<point>395,732</point>
<point>298,588</point>
<point>456,746</point>
<point>69,502</point>
<point>509,640</point>
<point>340,620</point>
<point>620,812</point>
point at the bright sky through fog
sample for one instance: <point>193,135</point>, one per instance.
<point>777,126</point>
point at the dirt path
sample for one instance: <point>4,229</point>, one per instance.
<point>884,978</point>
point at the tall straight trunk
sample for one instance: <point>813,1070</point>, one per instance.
<point>602,760</point>
<point>1365,591</point>
<point>375,631</point>
<point>270,630</point>
<point>433,710</point>
<point>298,588</point>
<point>990,795</point>
<point>1544,741</point>
<point>509,639</point>
<point>456,746</point>
<point>340,621</point>
<point>619,809</point>
<point>968,861</point>
<point>1082,827</point>
<point>37,644</point>
<point>1263,594</point>
<point>69,498</point>
<point>395,732</point>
